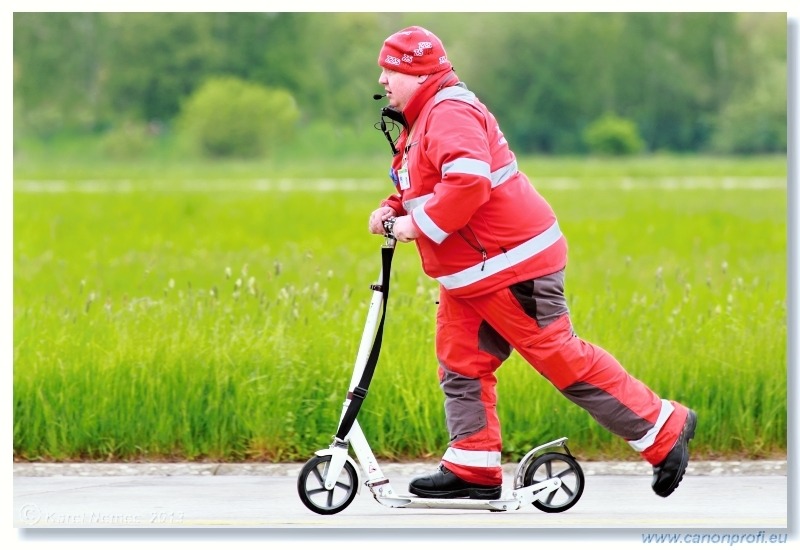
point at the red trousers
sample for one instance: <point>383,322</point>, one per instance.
<point>475,335</point>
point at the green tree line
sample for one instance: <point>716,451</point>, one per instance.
<point>683,82</point>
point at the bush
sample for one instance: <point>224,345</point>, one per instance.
<point>131,140</point>
<point>229,117</point>
<point>612,135</point>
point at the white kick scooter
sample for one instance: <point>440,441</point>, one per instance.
<point>551,481</point>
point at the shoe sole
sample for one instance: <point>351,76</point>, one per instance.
<point>477,494</point>
<point>688,429</point>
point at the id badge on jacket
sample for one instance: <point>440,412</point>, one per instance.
<point>403,179</point>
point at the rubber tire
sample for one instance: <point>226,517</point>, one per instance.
<point>313,472</point>
<point>573,491</point>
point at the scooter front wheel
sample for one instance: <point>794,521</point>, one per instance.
<point>564,467</point>
<point>312,491</point>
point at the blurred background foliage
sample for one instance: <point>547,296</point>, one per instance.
<point>145,84</point>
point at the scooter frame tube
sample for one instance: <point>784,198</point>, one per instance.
<point>339,448</point>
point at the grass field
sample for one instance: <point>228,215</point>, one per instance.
<point>214,312</point>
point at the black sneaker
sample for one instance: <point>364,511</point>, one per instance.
<point>445,484</point>
<point>668,474</point>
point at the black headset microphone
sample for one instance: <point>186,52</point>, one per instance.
<point>391,114</point>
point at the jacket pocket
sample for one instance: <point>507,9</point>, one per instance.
<point>542,298</point>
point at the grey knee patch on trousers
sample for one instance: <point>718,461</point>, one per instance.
<point>542,298</point>
<point>463,407</point>
<point>608,411</point>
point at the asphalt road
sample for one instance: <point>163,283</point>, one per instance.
<point>722,498</point>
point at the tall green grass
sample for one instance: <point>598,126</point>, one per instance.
<point>222,324</point>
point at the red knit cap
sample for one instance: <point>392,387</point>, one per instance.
<point>414,51</point>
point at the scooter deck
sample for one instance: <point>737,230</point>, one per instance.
<point>499,505</point>
<point>513,501</point>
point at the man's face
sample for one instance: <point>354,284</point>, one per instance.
<point>399,87</point>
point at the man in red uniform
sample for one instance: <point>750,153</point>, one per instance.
<point>494,245</point>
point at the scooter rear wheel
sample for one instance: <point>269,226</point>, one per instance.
<point>564,467</point>
<point>312,491</point>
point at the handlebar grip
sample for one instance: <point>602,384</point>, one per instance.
<point>388,227</point>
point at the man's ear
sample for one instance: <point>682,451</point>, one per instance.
<point>422,78</point>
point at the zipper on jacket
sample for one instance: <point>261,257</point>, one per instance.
<point>478,248</point>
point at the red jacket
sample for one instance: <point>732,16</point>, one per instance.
<point>483,225</point>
